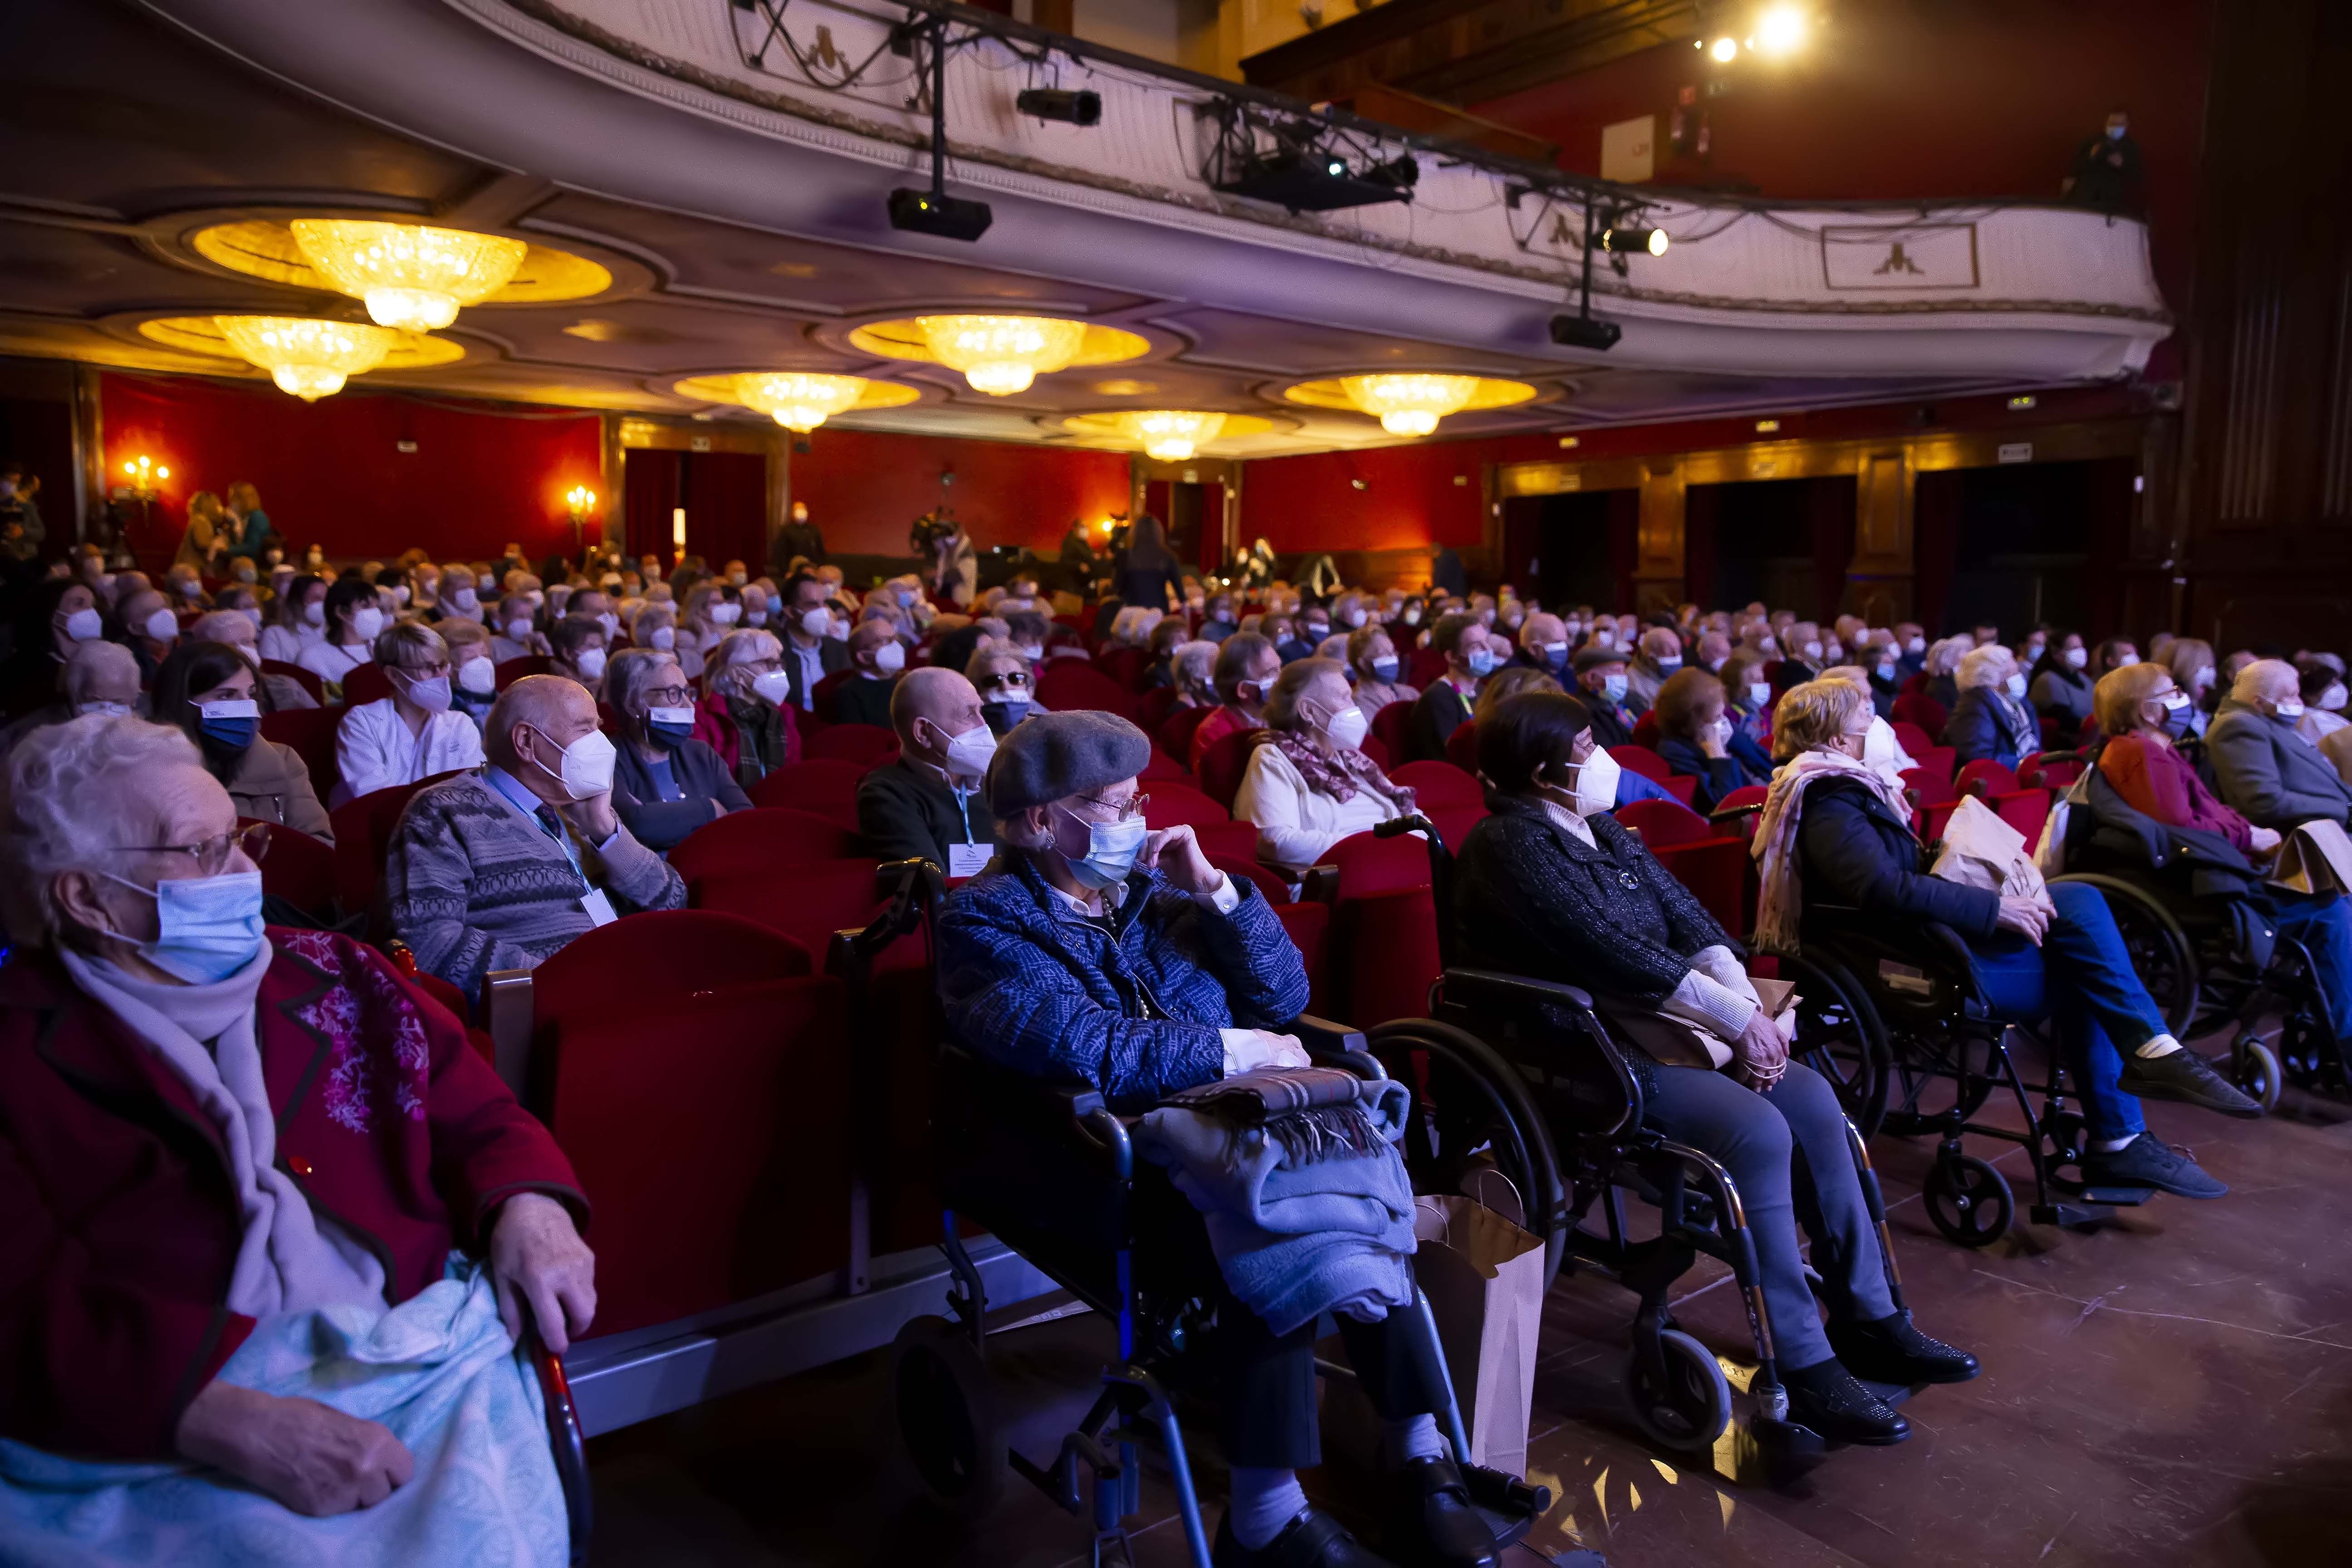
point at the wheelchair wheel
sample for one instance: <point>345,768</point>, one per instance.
<point>1470,1106</point>
<point>2160,951</point>
<point>1841,1037</point>
<point>2254,1068</point>
<point>1967,1200</point>
<point>948,1432</point>
<point>1692,1406</point>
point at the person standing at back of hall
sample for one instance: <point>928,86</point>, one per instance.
<point>1148,574</point>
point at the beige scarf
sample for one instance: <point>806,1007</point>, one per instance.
<point>1780,903</point>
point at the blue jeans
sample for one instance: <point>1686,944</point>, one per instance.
<point>2323,923</point>
<point>2081,976</point>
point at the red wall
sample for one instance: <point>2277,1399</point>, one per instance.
<point>863,488</point>
<point>1980,100</point>
<point>330,471</point>
<point>1409,497</point>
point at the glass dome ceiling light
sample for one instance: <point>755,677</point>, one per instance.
<point>798,400</point>
<point>1001,355</point>
<point>1410,404</point>
<point>411,276</point>
<point>309,359</point>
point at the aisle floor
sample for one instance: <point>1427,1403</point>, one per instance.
<point>2174,1387</point>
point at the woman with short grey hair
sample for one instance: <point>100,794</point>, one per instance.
<point>411,735</point>
<point>666,784</point>
<point>1307,784</point>
<point>1990,718</point>
<point>184,1262</point>
<point>746,712</point>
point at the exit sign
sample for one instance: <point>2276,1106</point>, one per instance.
<point>2016,451</point>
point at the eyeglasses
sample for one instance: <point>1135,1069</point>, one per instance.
<point>667,696</point>
<point>1127,811</point>
<point>415,672</point>
<point>211,855</point>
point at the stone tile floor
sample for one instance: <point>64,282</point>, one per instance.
<point>2174,1387</point>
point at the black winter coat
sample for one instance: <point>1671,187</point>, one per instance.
<point>1851,849</point>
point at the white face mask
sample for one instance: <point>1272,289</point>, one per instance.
<point>163,625</point>
<point>314,614</point>
<point>816,623</point>
<point>837,630</point>
<point>2289,710</point>
<point>1760,693</point>
<point>478,676</point>
<point>2332,699</point>
<point>433,695</point>
<point>890,657</point>
<point>725,614</point>
<point>967,754</point>
<point>1812,651</point>
<point>2076,658</point>
<point>587,769</point>
<point>773,687</point>
<point>2016,684</point>
<point>1348,728</point>
<point>1596,783</point>
<point>1356,617</point>
<point>466,599</point>
<point>663,637</point>
<point>366,621</point>
<point>110,709</point>
<point>84,626</point>
<point>518,631</point>
<point>1916,644</point>
<point>612,625</point>
<point>591,663</point>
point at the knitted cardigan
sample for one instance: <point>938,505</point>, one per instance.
<point>471,885</point>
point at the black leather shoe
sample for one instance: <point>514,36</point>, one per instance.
<point>1892,1350</point>
<point>1313,1540</point>
<point>1434,1515</point>
<point>1828,1399</point>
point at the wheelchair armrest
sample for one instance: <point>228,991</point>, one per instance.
<point>1319,884</point>
<point>506,1011</point>
<point>565,1437</point>
<point>1494,990</point>
<point>1335,1045</point>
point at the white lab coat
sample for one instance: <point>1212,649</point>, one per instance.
<point>374,750</point>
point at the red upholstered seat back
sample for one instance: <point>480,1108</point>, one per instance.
<point>1914,740</point>
<point>1662,822</point>
<point>763,838</point>
<point>1269,881</point>
<point>1424,668</point>
<point>1716,868</point>
<point>1920,709</point>
<point>1388,946</point>
<point>1933,787</point>
<point>514,669</point>
<point>705,1134</point>
<point>1152,709</point>
<point>621,966</point>
<point>1235,838</point>
<point>1164,768</point>
<point>310,731</point>
<point>298,868</point>
<point>1175,804</point>
<point>1454,823</point>
<point>1369,865</point>
<point>1986,777</point>
<point>1222,765</point>
<point>306,679</point>
<point>1462,748</point>
<point>2033,772</point>
<point>826,786</point>
<point>366,682</point>
<point>1646,730</point>
<point>363,829</point>
<point>808,903</point>
<point>867,745</point>
<point>1309,925</point>
<point>1065,684</point>
<point>1642,760</point>
<point>823,696</point>
<point>1127,666</point>
<point>1439,783</point>
<point>1392,726</point>
<point>1176,731</point>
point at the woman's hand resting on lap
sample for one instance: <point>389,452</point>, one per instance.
<point>314,1458</point>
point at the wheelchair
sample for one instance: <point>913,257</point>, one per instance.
<point>2203,937</point>
<point>1525,1075</point>
<point>1048,1169</point>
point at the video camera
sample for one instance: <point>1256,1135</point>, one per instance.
<point>928,531</point>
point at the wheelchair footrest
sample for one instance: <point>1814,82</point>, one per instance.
<point>2114,1197</point>
<point>1508,1504</point>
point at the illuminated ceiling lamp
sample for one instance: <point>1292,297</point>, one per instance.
<point>411,276</point>
<point>308,358</point>
<point>798,400</point>
<point>1779,31</point>
<point>1001,355</point>
<point>1410,404</point>
<point>1171,435</point>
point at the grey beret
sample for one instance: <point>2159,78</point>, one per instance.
<point>1592,657</point>
<point>1052,756</point>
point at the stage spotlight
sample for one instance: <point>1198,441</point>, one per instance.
<point>1052,103</point>
<point>1629,241</point>
<point>1585,332</point>
<point>948,218</point>
<point>1727,50</point>
<point>1398,173</point>
<point>1781,30</point>
<point>1318,181</point>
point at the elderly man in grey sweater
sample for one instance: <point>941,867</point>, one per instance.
<point>2268,772</point>
<point>499,870</point>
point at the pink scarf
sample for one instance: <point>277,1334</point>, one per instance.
<point>1780,903</point>
<point>1338,774</point>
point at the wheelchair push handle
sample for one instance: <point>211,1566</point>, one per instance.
<point>1397,826</point>
<point>920,885</point>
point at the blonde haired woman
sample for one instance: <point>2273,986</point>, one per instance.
<point>207,531</point>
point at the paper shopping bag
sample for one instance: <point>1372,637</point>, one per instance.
<point>1484,1279</point>
<point>2315,858</point>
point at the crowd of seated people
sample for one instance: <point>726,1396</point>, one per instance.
<point>564,730</point>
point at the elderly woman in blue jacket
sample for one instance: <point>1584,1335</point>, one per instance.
<point>1096,951</point>
<point>1991,718</point>
<point>1841,831</point>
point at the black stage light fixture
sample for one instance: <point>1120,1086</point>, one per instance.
<point>1052,103</point>
<point>1631,241</point>
<point>1313,181</point>
<point>1585,332</point>
<point>1399,174</point>
<point>948,218</point>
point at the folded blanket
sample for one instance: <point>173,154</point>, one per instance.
<point>1306,1202</point>
<point>438,1370</point>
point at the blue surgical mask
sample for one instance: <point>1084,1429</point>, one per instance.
<point>1482,662</point>
<point>1386,668</point>
<point>1555,656</point>
<point>230,726</point>
<point>1612,686</point>
<point>208,928</point>
<point>669,728</point>
<point>906,598</point>
<point>2175,715</point>
<point>1111,850</point>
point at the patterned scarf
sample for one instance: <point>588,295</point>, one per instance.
<point>1339,774</point>
<point>1780,902</point>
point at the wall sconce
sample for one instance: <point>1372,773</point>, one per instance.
<point>143,474</point>
<point>677,530</point>
<point>581,499</point>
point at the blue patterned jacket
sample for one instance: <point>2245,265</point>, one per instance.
<point>1028,982</point>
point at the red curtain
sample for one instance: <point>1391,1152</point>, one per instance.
<point>649,492</point>
<point>725,498</point>
<point>474,477</point>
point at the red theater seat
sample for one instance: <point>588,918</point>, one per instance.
<point>808,903</point>
<point>1920,709</point>
<point>867,745</point>
<point>1222,765</point>
<point>514,669</point>
<point>1309,926</point>
<point>1073,684</point>
<point>824,695</point>
<point>1439,783</point>
<point>1392,727</point>
<point>824,785</point>
<point>366,682</point>
<point>1153,707</point>
<point>1454,823</point>
<point>1369,865</point>
<point>1163,768</point>
<point>1126,665</point>
<point>1238,839</point>
<point>1915,741</point>
<point>1662,822</point>
<point>1715,870</point>
<point>1642,760</point>
<point>306,679</point>
<point>298,868</point>
<point>1269,881</point>
<point>1174,805</point>
<point>363,829</point>
<point>1462,748</point>
<point>1386,950</point>
<point>765,839</point>
<point>1176,732</point>
<point>311,732</point>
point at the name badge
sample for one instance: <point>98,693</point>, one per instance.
<point>967,859</point>
<point>599,908</point>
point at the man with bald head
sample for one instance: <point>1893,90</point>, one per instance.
<point>1543,643</point>
<point>499,870</point>
<point>2266,770</point>
<point>928,804</point>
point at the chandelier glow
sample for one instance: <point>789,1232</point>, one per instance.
<point>309,359</point>
<point>1001,355</point>
<point>1410,404</point>
<point>1171,435</point>
<point>798,400</point>
<point>411,276</point>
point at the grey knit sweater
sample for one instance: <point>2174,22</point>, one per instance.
<point>471,885</point>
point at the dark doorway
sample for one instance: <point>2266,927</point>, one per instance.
<point>1584,546</point>
<point>2013,545</point>
<point>1194,518</point>
<point>1784,541</point>
<point>723,494</point>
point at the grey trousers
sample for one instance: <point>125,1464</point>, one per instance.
<point>1787,1150</point>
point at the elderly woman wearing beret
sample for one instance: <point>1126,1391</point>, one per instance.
<point>1097,951</point>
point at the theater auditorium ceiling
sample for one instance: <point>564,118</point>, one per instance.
<point>693,213</point>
